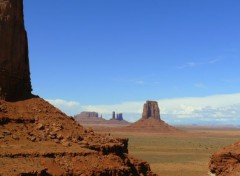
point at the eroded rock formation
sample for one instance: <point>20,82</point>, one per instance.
<point>150,121</point>
<point>226,161</point>
<point>120,116</point>
<point>151,110</point>
<point>15,81</point>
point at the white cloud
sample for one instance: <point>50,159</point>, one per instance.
<point>196,64</point>
<point>60,102</point>
<point>223,108</point>
<point>69,107</point>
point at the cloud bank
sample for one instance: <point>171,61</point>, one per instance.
<point>216,109</point>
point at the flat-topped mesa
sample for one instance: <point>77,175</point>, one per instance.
<point>151,110</point>
<point>15,83</point>
<point>87,114</point>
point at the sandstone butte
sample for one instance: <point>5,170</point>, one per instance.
<point>151,121</point>
<point>35,137</point>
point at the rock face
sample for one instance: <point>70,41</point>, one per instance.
<point>150,121</point>
<point>15,81</point>
<point>226,161</point>
<point>151,110</point>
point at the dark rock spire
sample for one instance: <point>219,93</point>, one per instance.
<point>15,83</point>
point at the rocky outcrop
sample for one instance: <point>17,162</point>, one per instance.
<point>15,81</point>
<point>151,110</point>
<point>38,139</point>
<point>150,121</point>
<point>226,161</point>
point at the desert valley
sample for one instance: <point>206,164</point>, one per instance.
<point>172,151</point>
<point>36,138</point>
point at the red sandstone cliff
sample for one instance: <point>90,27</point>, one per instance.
<point>14,63</point>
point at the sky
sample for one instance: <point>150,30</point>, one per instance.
<point>113,55</point>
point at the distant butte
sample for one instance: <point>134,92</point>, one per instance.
<point>151,121</point>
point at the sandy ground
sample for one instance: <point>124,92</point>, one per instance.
<point>179,154</point>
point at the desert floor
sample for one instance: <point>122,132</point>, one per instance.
<point>179,154</point>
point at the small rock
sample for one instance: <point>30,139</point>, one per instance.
<point>40,126</point>
<point>59,136</point>
<point>66,144</point>
<point>32,138</point>
<point>6,133</point>
<point>15,137</point>
<point>1,137</point>
<point>57,141</point>
<point>36,119</point>
<point>3,108</point>
<point>43,137</point>
<point>52,135</point>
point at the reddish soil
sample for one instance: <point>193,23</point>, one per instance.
<point>38,139</point>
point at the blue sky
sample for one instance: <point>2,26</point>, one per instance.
<point>91,53</point>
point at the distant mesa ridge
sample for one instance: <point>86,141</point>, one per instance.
<point>92,119</point>
<point>86,114</point>
<point>93,114</point>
